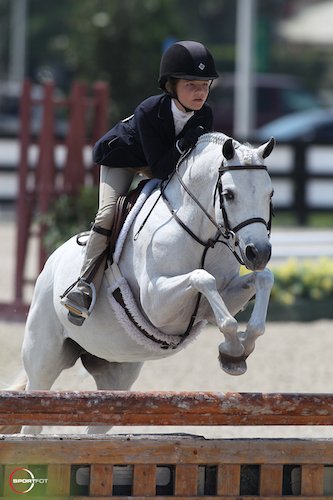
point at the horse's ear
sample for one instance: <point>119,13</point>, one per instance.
<point>228,149</point>
<point>266,149</point>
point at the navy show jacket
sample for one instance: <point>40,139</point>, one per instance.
<point>147,138</point>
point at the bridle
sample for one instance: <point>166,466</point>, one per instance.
<point>231,239</point>
<point>219,188</point>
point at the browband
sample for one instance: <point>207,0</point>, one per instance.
<point>225,168</point>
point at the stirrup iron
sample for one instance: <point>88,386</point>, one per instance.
<point>76,309</point>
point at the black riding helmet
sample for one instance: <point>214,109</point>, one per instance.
<point>187,60</point>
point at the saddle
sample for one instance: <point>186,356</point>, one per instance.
<point>123,207</point>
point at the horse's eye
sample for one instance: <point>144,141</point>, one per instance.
<point>228,195</point>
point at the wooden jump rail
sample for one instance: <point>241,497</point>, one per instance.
<point>163,466</point>
<point>164,408</point>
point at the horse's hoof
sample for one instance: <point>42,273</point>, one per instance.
<point>233,365</point>
<point>242,337</point>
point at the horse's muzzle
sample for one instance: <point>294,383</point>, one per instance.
<point>257,256</point>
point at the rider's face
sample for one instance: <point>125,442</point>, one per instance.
<point>192,93</point>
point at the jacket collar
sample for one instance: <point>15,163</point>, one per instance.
<point>164,110</point>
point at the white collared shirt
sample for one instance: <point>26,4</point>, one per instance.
<point>180,118</point>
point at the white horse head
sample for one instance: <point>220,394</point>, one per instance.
<point>245,200</point>
<point>178,270</point>
<point>241,202</point>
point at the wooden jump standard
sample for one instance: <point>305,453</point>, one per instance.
<point>163,466</point>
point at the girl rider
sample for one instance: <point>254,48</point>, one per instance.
<point>150,141</point>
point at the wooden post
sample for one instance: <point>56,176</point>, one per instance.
<point>100,110</point>
<point>24,201</point>
<point>300,182</point>
<point>74,169</point>
<point>37,183</point>
<point>45,171</point>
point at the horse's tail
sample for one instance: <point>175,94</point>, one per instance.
<point>18,385</point>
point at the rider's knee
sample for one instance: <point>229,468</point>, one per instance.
<point>104,216</point>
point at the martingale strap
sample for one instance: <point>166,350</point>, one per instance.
<point>181,223</point>
<point>119,298</point>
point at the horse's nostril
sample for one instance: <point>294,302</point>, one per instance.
<point>251,252</point>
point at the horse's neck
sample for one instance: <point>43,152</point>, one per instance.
<point>200,180</point>
<point>195,209</point>
<point>200,172</point>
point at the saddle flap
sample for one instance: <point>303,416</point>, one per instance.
<point>123,207</point>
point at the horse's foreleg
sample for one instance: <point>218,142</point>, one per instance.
<point>239,291</point>
<point>256,326</point>
<point>176,293</point>
<point>206,284</point>
<point>238,346</point>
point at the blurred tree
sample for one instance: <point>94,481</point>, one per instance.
<point>4,39</point>
<point>121,41</point>
<point>48,40</point>
<point>213,21</point>
<point>309,63</point>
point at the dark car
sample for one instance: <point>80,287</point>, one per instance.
<point>308,126</point>
<point>276,95</point>
<point>10,95</point>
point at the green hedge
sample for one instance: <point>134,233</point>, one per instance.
<point>306,280</point>
<point>302,291</point>
<point>68,215</point>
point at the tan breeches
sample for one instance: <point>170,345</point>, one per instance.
<point>114,182</point>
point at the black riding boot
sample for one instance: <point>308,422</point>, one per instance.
<point>80,299</point>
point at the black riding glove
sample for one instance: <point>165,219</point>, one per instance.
<point>190,138</point>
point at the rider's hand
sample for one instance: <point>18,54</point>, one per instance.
<point>190,138</point>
